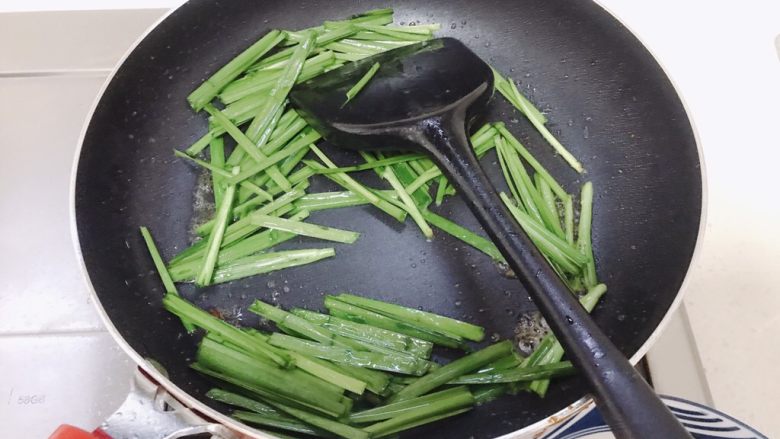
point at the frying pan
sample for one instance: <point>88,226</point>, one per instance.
<point>607,99</point>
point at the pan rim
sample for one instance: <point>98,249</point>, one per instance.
<point>535,430</point>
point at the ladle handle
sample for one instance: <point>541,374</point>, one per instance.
<point>628,403</point>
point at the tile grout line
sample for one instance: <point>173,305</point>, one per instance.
<point>53,73</point>
<point>54,333</point>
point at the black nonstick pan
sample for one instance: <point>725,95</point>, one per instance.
<point>607,99</point>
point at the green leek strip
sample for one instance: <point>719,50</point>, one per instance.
<point>375,16</point>
<point>268,262</point>
<point>441,190</point>
<point>399,408</point>
<point>372,360</point>
<point>256,243</point>
<point>429,321</point>
<point>506,86</point>
<point>238,158</point>
<point>238,229</point>
<point>374,164</point>
<point>332,200</point>
<point>273,421</point>
<point>355,50</point>
<point>508,362</point>
<point>320,369</point>
<point>521,180</point>
<point>361,315</point>
<point>408,203</point>
<point>212,86</point>
<point>350,56</point>
<point>238,117</point>
<point>206,273</point>
<point>428,420</point>
<point>244,226</point>
<point>406,176</point>
<point>453,370</point>
<point>255,83</point>
<point>305,229</point>
<point>333,407</point>
<point>362,82</point>
<point>217,157</point>
<point>326,424</point>
<point>510,181</point>
<point>482,244</point>
<point>302,142</point>
<point>487,393</point>
<point>299,326</point>
<point>548,207</point>
<point>285,319</point>
<point>327,372</point>
<point>534,116</point>
<point>432,412</point>
<point>376,381</point>
<point>530,159</point>
<point>350,184</point>
<point>244,402</point>
<point>367,333</point>
<point>555,352</point>
<point>257,190</point>
<point>521,374</point>
<point>246,145</point>
<point>162,271</point>
<point>550,244</point>
<point>241,139</point>
<point>297,178</point>
<point>379,38</point>
<point>398,32</point>
<point>583,233</point>
<point>223,357</point>
<point>568,215</point>
<point>187,311</point>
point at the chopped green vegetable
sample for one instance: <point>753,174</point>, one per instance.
<point>362,82</point>
<point>583,234</point>
<point>482,244</point>
<point>453,370</point>
<point>209,88</point>
<point>165,277</point>
<point>191,313</point>
<point>361,315</point>
<point>432,322</point>
<point>399,408</point>
<point>268,262</point>
<point>431,412</point>
<point>517,374</point>
<point>215,238</point>
<point>372,360</point>
<point>368,333</point>
<point>408,203</point>
<point>275,421</point>
<point>305,229</point>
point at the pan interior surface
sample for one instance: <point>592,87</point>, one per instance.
<point>607,100</point>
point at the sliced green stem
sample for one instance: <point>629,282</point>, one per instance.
<point>453,370</point>
<point>305,229</point>
<point>429,321</point>
<point>482,244</point>
<point>362,82</point>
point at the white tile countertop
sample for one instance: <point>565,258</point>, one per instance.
<point>59,365</point>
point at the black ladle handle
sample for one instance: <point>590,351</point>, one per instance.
<point>626,401</point>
